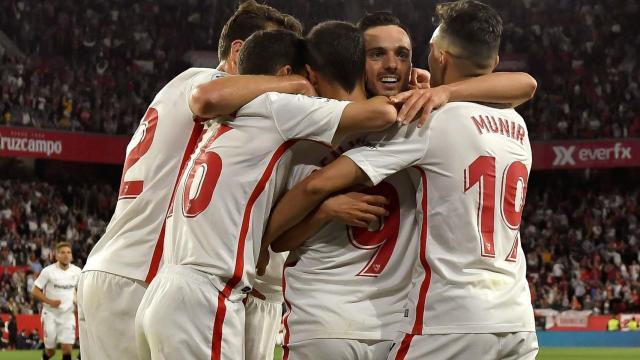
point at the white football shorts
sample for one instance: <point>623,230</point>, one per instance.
<point>107,306</point>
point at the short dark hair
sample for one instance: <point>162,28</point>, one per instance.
<point>249,18</point>
<point>474,27</point>
<point>292,24</point>
<point>336,50</point>
<point>264,52</point>
<point>381,18</point>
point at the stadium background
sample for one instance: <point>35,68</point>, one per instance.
<point>77,75</point>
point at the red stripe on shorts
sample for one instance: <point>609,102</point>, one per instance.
<point>285,320</point>
<point>404,347</point>
<point>216,348</point>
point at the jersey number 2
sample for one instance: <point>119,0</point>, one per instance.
<point>146,131</point>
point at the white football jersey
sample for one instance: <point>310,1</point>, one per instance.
<point>167,135</point>
<point>228,188</point>
<point>58,284</point>
<point>350,282</point>
<point>474,164</point>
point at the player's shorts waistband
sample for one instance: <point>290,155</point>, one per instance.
<point>199,277</point>
<point>101,274</point>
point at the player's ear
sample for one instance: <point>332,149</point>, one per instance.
<point>285,70</point>
<point>312,75</point>
<point>496,61</point>
<point>236,46</point>
<point>443,57</point>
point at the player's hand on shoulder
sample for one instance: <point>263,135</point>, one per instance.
<point>417,104</point>
<point>303,86</point>
<point>355,209</point>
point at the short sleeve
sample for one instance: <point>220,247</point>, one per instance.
<point>201,78</point>
<point>298,173</point>
<point>42,279</point>
<point>391,151</point>
<point>304,117</point>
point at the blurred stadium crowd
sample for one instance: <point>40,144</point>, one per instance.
<point>582,241</point>
<point>35,216</point>
<point>584,55</point>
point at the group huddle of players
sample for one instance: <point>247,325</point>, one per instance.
<point>312,171</point>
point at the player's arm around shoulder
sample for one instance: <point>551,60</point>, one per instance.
<point>297,203</point>
<point>353,208</point>
<point>374,114</point>
<point>224,96</point>
<point>509,88</point>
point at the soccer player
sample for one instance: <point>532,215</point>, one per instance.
<point>356,278</point>
<point>469,296</point>
<point>128,255</point>
<point>193,308</point>
<point>56,287</point>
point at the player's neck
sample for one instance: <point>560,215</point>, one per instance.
<point>226,67</point>
<point>454,76</point>
<point>337,92</point>
<point>62,266</point>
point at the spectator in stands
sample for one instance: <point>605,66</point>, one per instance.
<point>34,339</point>
<point>12,329</point>
<point>84,72</point>
<point>22,341</point>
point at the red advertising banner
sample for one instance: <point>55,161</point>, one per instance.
<point>61,145</point>
<point>25,322</point>
<point>93,148</point>
<point>586,154</point>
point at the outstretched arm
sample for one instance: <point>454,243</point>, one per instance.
<point>510,88</point>
<point>374,114</point>
<point>226,95</point>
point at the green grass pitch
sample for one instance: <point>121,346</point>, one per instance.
<point>545,354</point>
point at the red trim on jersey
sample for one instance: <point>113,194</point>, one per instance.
<point>424,287</point>
<point>131,189</point>
<point>194,139</point>
<point>246,218</point>
<point>404,347</point>
<point>218,323</point>
<point>244,230</point>
<point>223,128</point>
<point>285,319</point>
